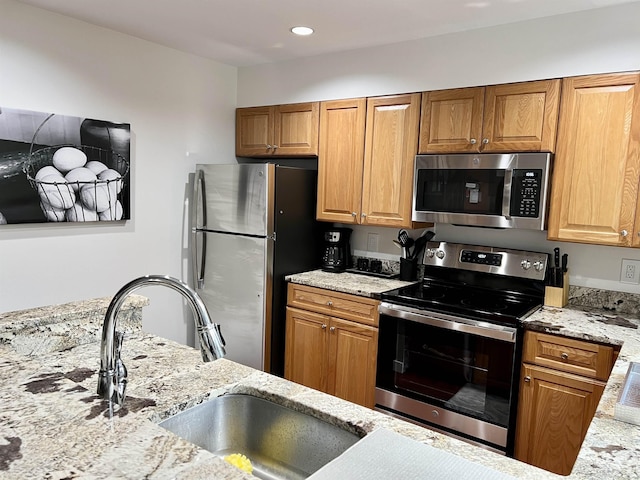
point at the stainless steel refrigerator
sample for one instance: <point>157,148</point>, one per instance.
<point>252,224</point>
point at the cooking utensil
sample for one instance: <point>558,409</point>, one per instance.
<point>403,237</point>
<point>421,242</point>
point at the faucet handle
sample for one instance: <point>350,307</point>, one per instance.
<point>120,370</point>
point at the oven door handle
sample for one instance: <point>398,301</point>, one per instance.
<point>449,322</point>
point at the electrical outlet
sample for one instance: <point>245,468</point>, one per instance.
<point>630,271</point>
<point>372,242</point>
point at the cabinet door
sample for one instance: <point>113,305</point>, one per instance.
<point>306,349</point>
<point>391,144</point>
<point>296,129</point>
<point>451,120</point>
<point>254,131</point>
<point>352,361</point>
<point>521,117</point>
<point>340,159</point>
<point>554,413</point>
<point>595,180</point>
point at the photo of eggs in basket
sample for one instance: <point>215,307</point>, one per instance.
<point>74,189</point>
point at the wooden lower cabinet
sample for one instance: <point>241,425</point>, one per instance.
<point>331,354</point>
<point>556,405</point>
<point>555,411</point>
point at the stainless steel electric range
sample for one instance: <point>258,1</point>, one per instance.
<point>450,346</point>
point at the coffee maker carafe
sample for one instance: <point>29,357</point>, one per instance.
<point>336,249</point>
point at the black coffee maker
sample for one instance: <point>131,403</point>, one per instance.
<point>336,250</point>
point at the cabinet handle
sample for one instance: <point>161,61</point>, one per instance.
<point>324,325</point>
<point>564,356</point>
<point>485,141</point>
<point>332,329</point>
<point>330,303</point>
<point>527,379</point>
<point>624,233</point>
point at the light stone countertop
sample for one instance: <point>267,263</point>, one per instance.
<point>347,282</point>
<point>52,425</point>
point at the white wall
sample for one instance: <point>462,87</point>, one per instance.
<point>176,103</point>
<point>595,41</point>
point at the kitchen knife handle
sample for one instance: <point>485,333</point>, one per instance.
<point>556,257</point>
<point>565,260</point>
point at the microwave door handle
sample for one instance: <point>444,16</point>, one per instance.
<point>506,196</point>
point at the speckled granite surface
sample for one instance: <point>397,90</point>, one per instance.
<point>347,282</point>
<point>57,327</point>
<point>52,425</point>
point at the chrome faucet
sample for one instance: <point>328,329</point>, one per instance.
<point>112,379</point>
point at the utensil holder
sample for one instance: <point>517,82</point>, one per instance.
<point>558,296</point>
<point>408,269</point>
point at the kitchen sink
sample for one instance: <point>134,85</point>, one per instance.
<point>280,442</point>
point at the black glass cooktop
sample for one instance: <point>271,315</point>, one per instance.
<point>467,301</point>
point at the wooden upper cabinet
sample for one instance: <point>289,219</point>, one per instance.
<point>451,120</point>
<point>279,130</point>
<point>391,143</point>
<point>500,118</point>
<point>521,117</point>
<point>597,165</point>
<point>340,160</point>
<point>365,161</point>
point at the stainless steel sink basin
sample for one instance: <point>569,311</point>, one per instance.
<point>280,442</point>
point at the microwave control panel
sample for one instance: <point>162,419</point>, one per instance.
<point>525,193</point>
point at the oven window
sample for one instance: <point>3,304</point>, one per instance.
<point>460,191</point>
<point>465,373</point>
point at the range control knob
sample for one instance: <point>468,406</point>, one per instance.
<point>440,254</point>
<point>538,266</point>
<point>525,264</point>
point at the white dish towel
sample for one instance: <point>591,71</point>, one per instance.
<point>386,455</point>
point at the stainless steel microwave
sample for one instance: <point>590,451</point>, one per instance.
<point>508,190</point>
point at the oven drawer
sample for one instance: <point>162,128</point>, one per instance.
<point>568,355</point>
<point>320,300</point>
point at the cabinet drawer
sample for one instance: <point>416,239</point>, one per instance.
<point>320,300</point>
<point>568,355</point>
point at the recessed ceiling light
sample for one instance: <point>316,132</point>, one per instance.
<point>302,30</point>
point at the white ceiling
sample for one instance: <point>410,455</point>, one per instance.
<point>250,32</point>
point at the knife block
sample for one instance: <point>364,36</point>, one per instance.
<point>557,296</point>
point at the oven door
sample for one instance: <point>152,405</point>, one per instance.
<point>489,190</point>
<point>457,374</point>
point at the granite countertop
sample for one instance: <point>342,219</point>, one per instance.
<point>52,425</point>
<point>347,282</point>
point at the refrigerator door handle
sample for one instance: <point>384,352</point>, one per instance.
<point>198,195</point>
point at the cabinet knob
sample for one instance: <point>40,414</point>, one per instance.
<point>268,147</point>
<point>473,141</point>
<point>274,146</point>
<point>332,329</point>
<point>485,141</point>
<point>564,356</point>
<point>354,214</point>
<point>324,325</point>
<point>329,303</point>
<point>363,215</point>
<point>527,379</point>
<point>624,233</point>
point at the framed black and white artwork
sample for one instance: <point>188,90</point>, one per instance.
<point>59,168</point>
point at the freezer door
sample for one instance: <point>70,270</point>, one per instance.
<point>234,291</point>
<point>233,198</point>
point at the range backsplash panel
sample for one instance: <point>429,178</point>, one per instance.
<point>59,168</point>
